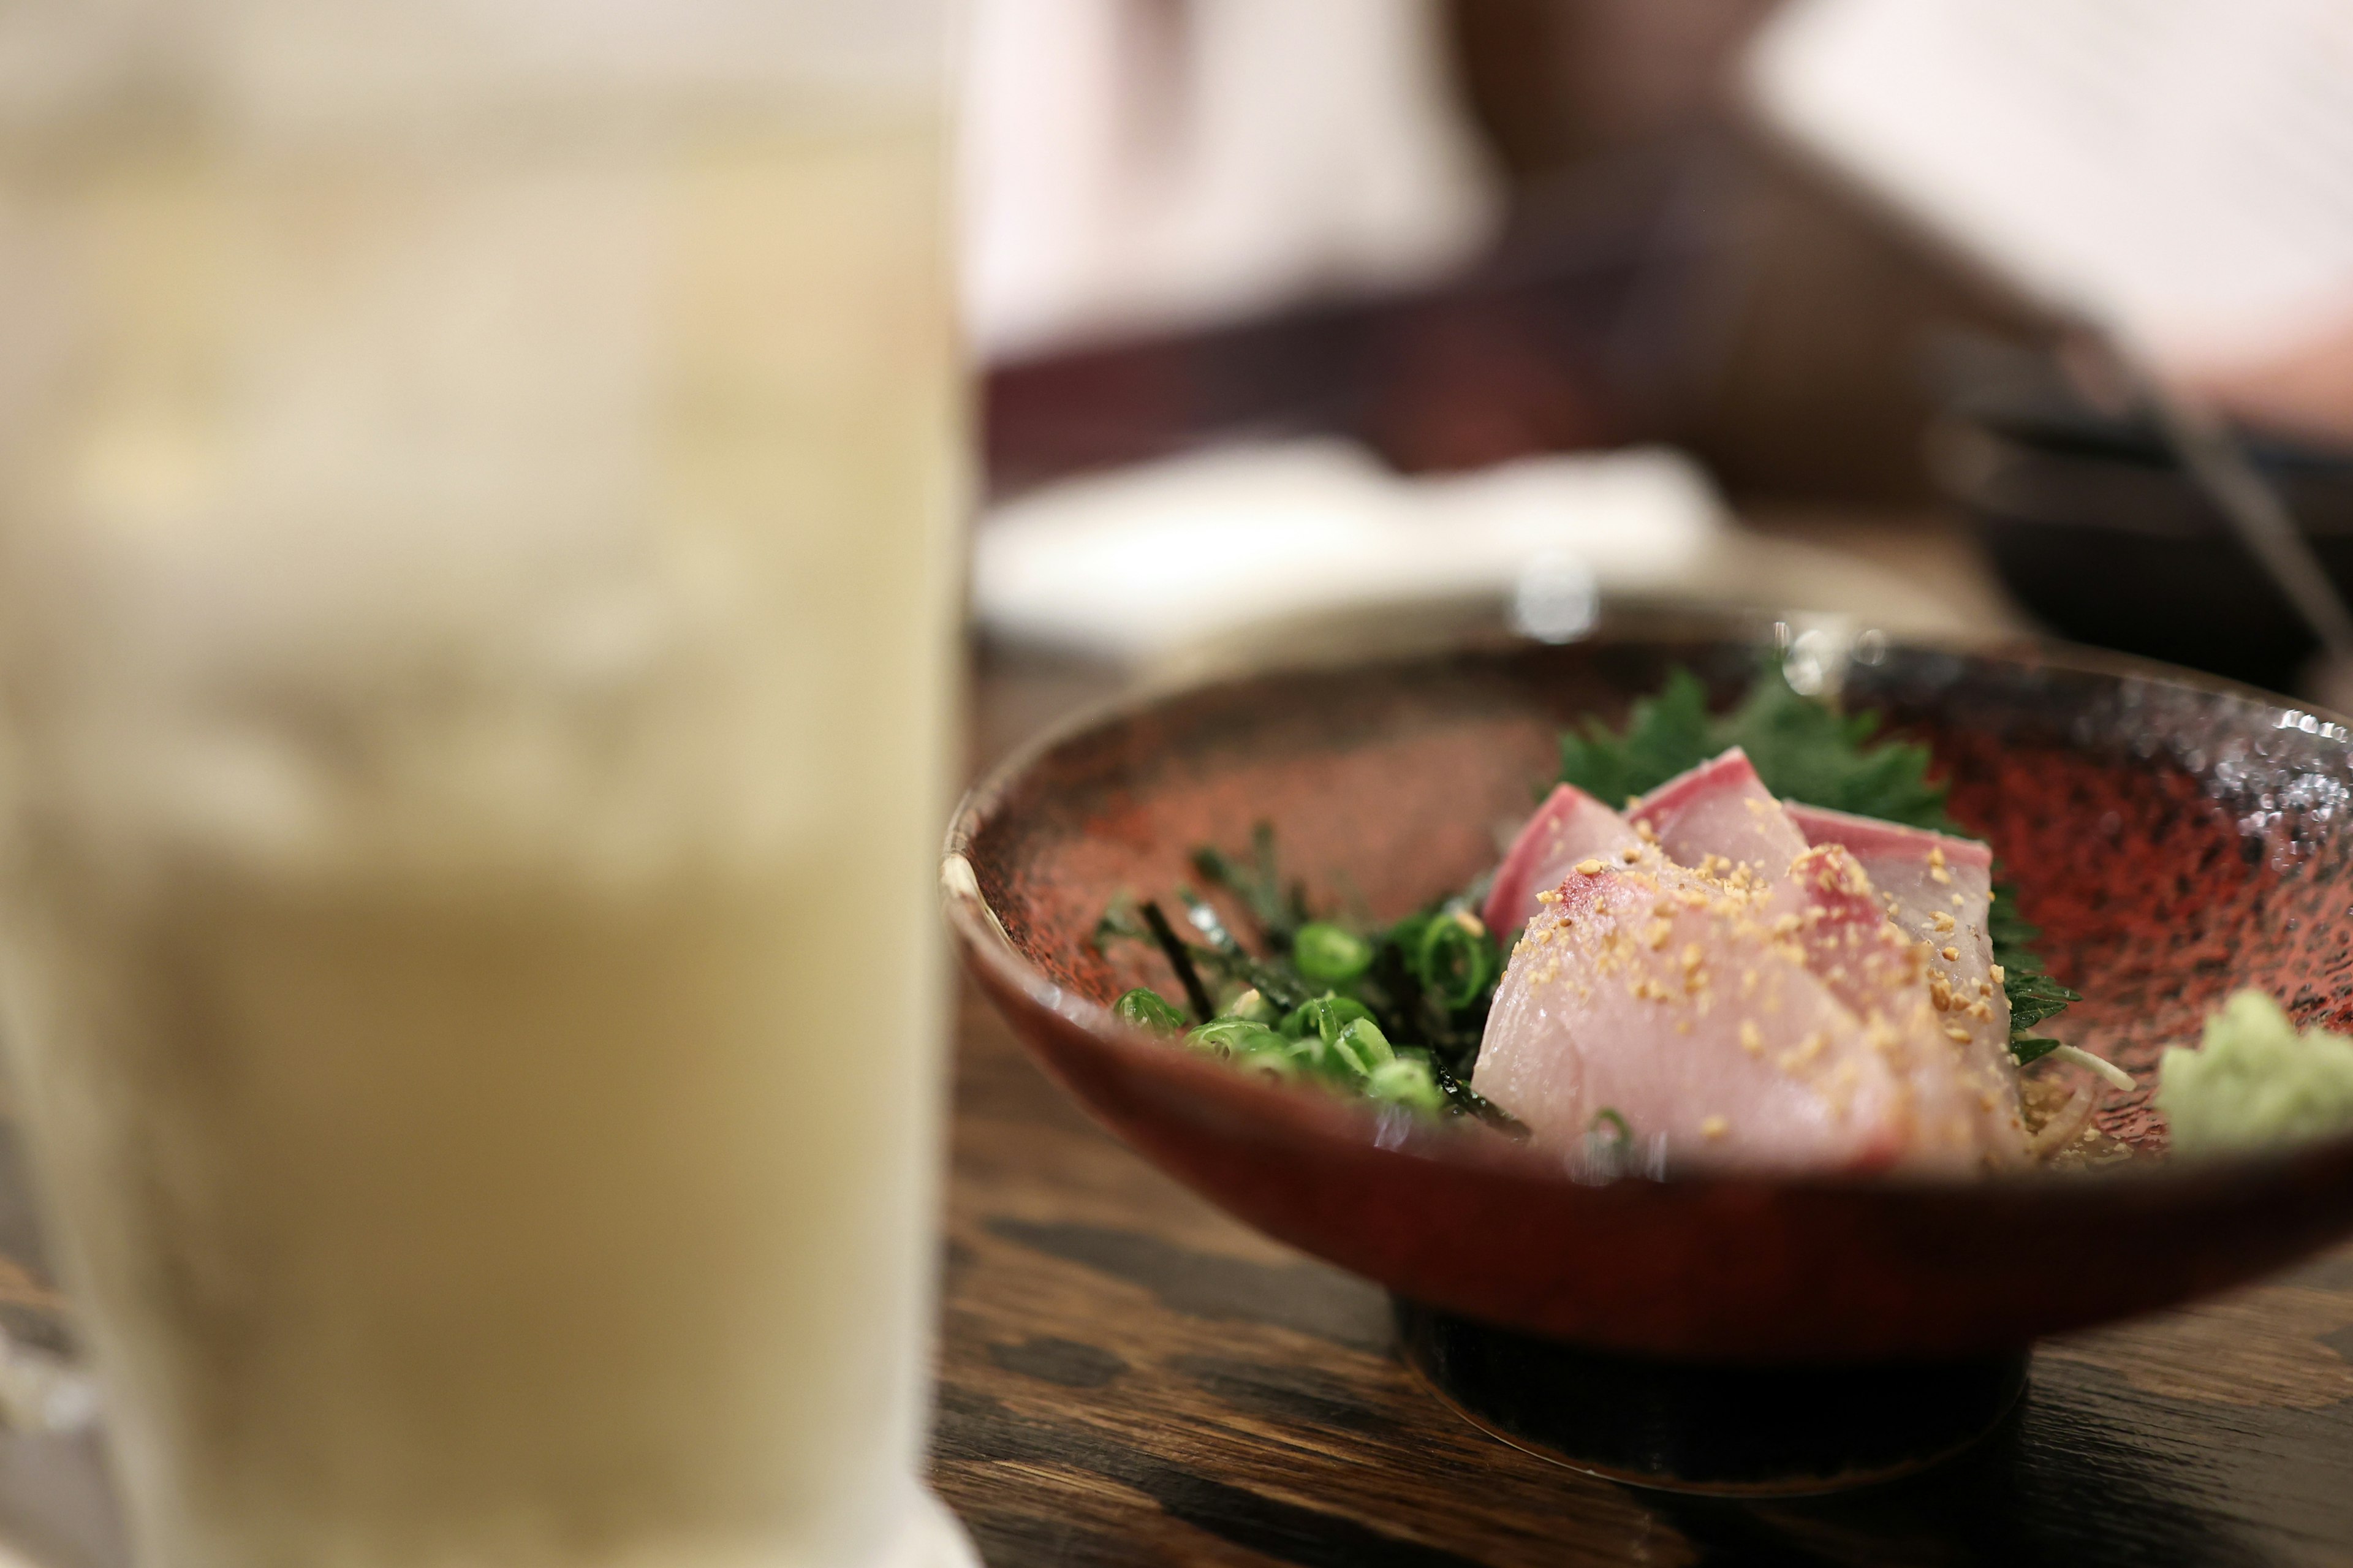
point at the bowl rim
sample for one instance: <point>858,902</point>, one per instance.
<point>986,945</point>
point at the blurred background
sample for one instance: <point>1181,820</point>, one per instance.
<point>1313,263</point>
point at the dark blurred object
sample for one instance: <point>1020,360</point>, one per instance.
<point>1816,394</point>
<point>1663,276</point>
<point>2097,531</point>
<point>1595,321</point>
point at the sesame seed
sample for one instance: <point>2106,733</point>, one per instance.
<point>1955,1031</point>
<point>1750,1040</point>
<point>1939,873</point>
<point>1952,955</point>
<point>2000,976</point>
<point>1715,1127</point>
<point>1590,867</point>
<point>1943,921</point>
<point>1632,853</point>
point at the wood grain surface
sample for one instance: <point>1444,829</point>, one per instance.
<point>1126,1377</point>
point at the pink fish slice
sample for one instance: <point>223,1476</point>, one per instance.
<point>1937,890</point>
<point>1570,826</point>
<point>1721,808</point>
<point>1965,1105</point>
<point>1660,995</point>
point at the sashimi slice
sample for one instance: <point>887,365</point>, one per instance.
<point>1937,889</point>
<point>1570,826</point>
<point>1871,839</point>
<point>1660,995</point>
<point>1830,908</point>
<point>1721,808</point>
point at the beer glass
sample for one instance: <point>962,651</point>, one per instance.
<point>477,597</point>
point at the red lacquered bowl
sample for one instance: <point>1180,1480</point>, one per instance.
<point>2176,837</point>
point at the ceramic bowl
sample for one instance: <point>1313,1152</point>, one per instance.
<point>2177,838</point>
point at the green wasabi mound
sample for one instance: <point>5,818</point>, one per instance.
<point>2255,1080</point>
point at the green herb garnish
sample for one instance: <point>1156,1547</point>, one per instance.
<point>1329,954</point>
<point>1806,751</point>
<point>1149,1010</point>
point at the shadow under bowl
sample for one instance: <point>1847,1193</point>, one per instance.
<point>2176,837</point>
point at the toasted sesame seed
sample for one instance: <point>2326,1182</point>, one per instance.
<point>1939,873</point>
<point>1715,1127</point>
<point>1631,853</point>
<point>1750,1040</point>
<point>1955,1031</point>
<point>1590,867</point>
<point>1952,954</point>
<point>1943,921</point>
<point>2000,976</point>
<point>1936,855</point>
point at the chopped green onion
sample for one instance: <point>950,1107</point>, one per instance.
<point>1235,1038</point>
<point>1325,952</point>
<point>1324,1017</point>
<point>1250,1005</point>
<point>1275,1065</point>
<point>1407,1080</point>
<point>1455,962</point>
<point>1364,1036</point>
<point>1624,1129</point>
<point>1149,1010</point>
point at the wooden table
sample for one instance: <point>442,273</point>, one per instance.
<point>1127,1376</point>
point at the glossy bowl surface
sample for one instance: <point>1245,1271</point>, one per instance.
<point>2177,838</point>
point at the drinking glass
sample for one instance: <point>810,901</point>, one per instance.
<point>478,480</point>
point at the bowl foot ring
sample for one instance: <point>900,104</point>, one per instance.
<point>1772,1431</point>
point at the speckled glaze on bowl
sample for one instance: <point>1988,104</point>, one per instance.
<point>2177,838</point>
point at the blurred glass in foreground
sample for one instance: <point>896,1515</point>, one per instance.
<point>475,596</point>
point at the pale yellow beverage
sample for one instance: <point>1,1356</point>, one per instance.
<point>475,617</point>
